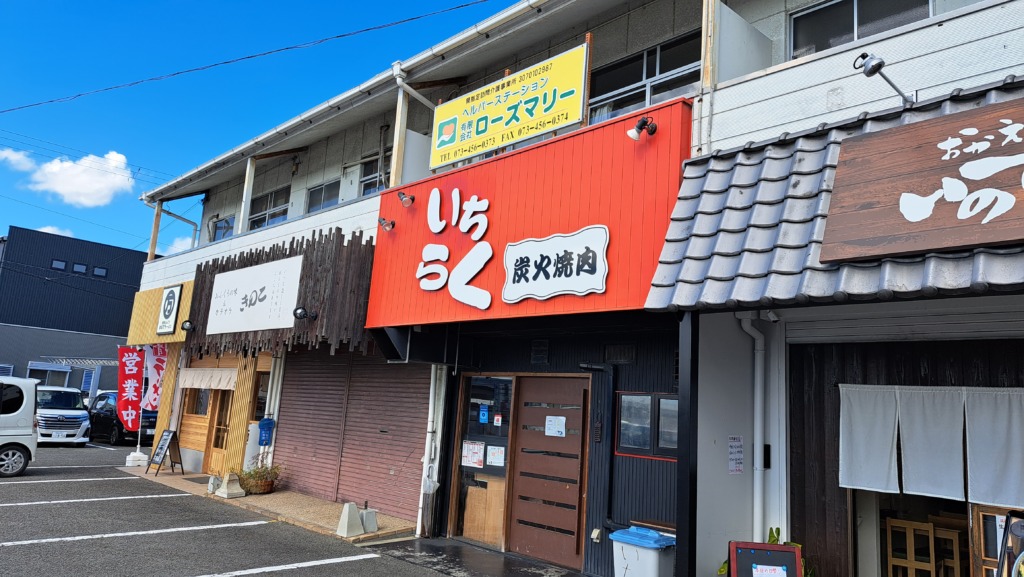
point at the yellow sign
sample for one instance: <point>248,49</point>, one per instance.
<point>539,99</point>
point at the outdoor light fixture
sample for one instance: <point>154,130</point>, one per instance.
<point>407,199</point>
<point>646,123</point>
<point>871,65</point>
<point>301,313</point>
<point>386,224</point>
<point>187,326</point>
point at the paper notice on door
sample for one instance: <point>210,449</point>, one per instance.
<point>496,456</point>
<point>763,570</point>
<point>554,426</point>
<point>473,454</point>
<point>736,459</point>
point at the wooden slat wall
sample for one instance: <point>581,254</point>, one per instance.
<point>385,425</point>
<point>819,509</point>
<point>334,283</point>
<point>239,414</point>
<point>194,431</point>
<point>167,388</point>
<point>146,311</point>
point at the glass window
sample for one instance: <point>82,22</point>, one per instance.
<point>657,74</point>
<point>483,446</point>
<point>635,422</point>
<point>48,378</point>
<point>58,264</point>
<point>11,399</point>
<point>648,424</point>
<point>197,401</point>
<point>269,209</point>
<point>99,271</point>
<point>222,228</point>
<point>79,268</point>
<point>323,196</point>
<point>260,392</point>
<point>68,400</point>
<point>221,420</point>
<point>372,178</point>
<point>836,23</point>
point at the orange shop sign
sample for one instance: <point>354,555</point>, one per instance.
<point>571,225</point>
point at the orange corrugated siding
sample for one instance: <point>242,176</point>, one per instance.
<point>593,176</point>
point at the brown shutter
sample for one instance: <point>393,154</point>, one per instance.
<point>384,436</point>
<point>310,420</point>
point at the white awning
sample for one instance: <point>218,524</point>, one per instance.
<point>40,366</point>
<point>223,379</point>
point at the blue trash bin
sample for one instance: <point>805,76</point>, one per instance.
<point>643,552</point>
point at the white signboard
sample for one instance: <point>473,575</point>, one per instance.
<point>561,264</point>
<point>495,456</point>
<point>766,570</point>
<point>169,304</point>
<point>554,426</point>
<point>256,298</point>
<point>736,455</point>
<point>473,454</point>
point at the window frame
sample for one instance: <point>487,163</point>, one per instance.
<point>21,395</point>
<point>655,450</point>
<point>96,271</point>
<point>321,188</point>
<point>265,214</point>
<point>229,228</point>
<point>190,399</point>
<point>77,265</point>
<point>63,264</point>
<point>382,179</point>
<point>791,22</point>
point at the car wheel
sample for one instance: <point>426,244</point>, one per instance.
<point>116,435</point>
<point>13,461</point>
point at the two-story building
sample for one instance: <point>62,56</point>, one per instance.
<point>565,410</point>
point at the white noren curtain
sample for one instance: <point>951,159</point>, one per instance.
<point>867,438</point>
<point>931,438</point>
<point>995,446</point>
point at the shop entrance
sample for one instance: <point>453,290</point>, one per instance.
<point>220,404</point>
<point>521,473</point>
<point>548,470</point>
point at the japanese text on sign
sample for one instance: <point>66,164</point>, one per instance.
<point>256,298</point>
<point>992,202</point>
<point>560,264</point>
<point>130,365</point>
<point>539,99</point>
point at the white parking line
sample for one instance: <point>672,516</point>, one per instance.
<point>95,499</point>
<point>293,566</point>
<point>76,467</point>
<point>99,447</point>
<point>131,533</point>
<point>71,480</point>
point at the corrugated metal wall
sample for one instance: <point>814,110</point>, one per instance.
<point>384,436</point>
<point>351,428</point>
<point>70,301</point>
<point>19,345</point>
<point>619,488</point>
<point>311,420</point>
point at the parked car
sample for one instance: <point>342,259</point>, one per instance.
<point>62,416</point>
<point>17,424</point>
<point>105,424</point>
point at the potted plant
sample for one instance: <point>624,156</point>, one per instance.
<point>259,478</point>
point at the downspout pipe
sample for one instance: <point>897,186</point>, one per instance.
<point>746,323</point>
<point>195,226</point>
<point>400,74</point>
<point>436,374</point>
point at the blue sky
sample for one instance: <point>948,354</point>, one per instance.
<point>80,166</point>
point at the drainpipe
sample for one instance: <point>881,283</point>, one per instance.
<point>400,74</point>
<point>429,471</point>
<point>159,207</point>
<point>758,445</point>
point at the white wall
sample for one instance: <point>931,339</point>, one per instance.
<point>725,408</point>
<point>360,215</point>
<point>975,45</point>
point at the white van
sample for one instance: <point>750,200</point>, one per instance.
<point>62,416</point>
<point>17,424</point>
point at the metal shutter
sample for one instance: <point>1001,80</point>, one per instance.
<point>6,370</point>
<point>384,436</point>
<point>309,422</point>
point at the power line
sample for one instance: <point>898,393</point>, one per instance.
<point>153,170</point>
<point>72,287</point>
<point>71,275</point>
<point>309,44</point>
<point>73,217</point>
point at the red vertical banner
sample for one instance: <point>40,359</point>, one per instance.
<point>156,362</point>
<point>131,364</point>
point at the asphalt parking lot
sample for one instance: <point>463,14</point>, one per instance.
<point>74,512</point>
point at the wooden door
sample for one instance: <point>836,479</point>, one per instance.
<point>220,405</point>
<point>548,481</point>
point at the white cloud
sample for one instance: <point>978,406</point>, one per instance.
<point>179,244</point>
<point>55,230</point>
<point>88,182</point>
<point>17,160</point>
